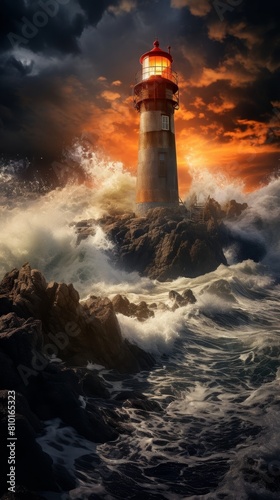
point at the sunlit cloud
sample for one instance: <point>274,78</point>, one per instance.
<point>220,105</point>
<point>125,6</point>
<point>197,8</point>
<point>108,95</point>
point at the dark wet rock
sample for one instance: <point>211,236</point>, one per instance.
<point>137,400</point>
<point>181,300</point>
<point>92,385</point>
<point>234,209</point>
<point>40,321</point>
<point>125,356</point>
<point>75,332</point>
<point>62,399</point>
<point>153,305</point>
<point>141,311</point>
<point>144,405</point>
<point>114,422</point>
<point>84,229</point>
<point>164,244</point>
<point>121,305</point>
<point>189,296</point>
<point>64,478</point>
<point>19,338</point>
<point>177,299</point>
<point>213,210</point>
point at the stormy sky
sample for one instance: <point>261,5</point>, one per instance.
<point>67,69</point>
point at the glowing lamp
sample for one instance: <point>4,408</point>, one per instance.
<point>156,62</point>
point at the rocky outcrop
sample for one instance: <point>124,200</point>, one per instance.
<point>164,244</point>
<point>141,311</point>
<point>74,332</point>
<point>40,322</point>
<point>179,300</point>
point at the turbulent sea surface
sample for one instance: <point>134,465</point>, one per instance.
<point>217,376</point>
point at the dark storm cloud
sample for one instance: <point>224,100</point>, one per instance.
<point>36,115</point>
<point>40,26</point>
<point>48,25</point>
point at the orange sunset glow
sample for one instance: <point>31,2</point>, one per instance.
<point>246,153</point>
<point>75,79</point>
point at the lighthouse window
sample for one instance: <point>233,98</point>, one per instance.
<point>165,122</point>
<point>162,165</point>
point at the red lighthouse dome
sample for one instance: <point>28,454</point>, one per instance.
<point>156,62</point>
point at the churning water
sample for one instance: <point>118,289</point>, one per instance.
<point>217,377</point>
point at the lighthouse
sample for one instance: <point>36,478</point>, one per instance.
<point>156,96</point>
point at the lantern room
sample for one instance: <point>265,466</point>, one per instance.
<point>156,62</point>
<point>156,80</point>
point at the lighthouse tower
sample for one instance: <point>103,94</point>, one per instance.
<point>156,96</point>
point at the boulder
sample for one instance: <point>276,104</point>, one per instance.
<point>235,209</point>
<point>189,296</point>
<point>141,311</point>
<point>51,314</point>
<point>121,305</point>
<point>181,300</point>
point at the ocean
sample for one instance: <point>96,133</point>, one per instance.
<point>217,376</point>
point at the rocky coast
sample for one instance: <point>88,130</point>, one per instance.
<point>50,340</point>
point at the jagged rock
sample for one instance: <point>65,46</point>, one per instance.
<point>76,333</point>
<point>164,244</point>
<point>177,299</point>
<point>84,229</point>
<point>134,399</point>
<point>143,312</point>
<point>181,300</point>
<point>234,209</point>
<point>52,391</point>
<point>92,385</point>
<point>61,401</point>
<point>189,296</point>
<point>122,305</point>
<point>213,210</point>
<point>144,405</point>
<point>41,321</point>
